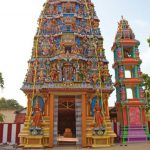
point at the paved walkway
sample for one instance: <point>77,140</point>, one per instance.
<point>136,146</point>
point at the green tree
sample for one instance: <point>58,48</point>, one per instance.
<point>1,81</point>
<point>1,117</point>
<point>146,85</point>
<point>148,41</point>
<point>9,104</point>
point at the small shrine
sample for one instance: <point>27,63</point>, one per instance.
<point>68,82</point>
<point>131,101</point>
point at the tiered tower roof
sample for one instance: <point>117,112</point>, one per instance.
<point>125,34</point>
<point>68,49</point>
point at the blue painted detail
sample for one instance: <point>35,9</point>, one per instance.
<point>59,22</point>
<point>77,7</point>
<point>78,42</point>
<point>40,101</point>
<point>77,22</point>
<point>58,39</point>
<point>94,99</point>
<point>93,105</point>
<point>59,7</point>
<point>68,15</point>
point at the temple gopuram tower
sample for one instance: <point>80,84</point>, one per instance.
<point>68,82</point>
<point>130,102</point>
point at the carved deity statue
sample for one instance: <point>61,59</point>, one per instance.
<point>98,115</point>
<point>37,114</point>
<point>68,72</point>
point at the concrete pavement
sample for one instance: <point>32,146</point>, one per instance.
<point>135,146</point>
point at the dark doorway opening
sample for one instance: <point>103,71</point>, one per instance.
<point>68,49</point>
<point>66,117</point>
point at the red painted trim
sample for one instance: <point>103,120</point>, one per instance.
<point>9,132</point>
<point>1,132</point>
<point>129,42</point>
<point>17,133</point>
<point>50,90</point>
<point>127,61</point>
<point>144,116</point>
<point>129,81</point>
<point>124,116</point>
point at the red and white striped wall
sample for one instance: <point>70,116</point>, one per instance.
<point>9,133</point>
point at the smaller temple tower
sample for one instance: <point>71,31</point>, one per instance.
<point>130,102</point>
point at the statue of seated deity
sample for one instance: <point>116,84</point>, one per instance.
<point>68,133</point>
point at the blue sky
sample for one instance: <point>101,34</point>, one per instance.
<point>18,26</point>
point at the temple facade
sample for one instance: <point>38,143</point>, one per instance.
<point>68,82</point>
<point>131,101</point>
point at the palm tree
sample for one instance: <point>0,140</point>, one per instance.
<point>1,81</point>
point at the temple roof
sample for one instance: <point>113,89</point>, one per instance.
<point>124,30</point>
<point>68,48</point>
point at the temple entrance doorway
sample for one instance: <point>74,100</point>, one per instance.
<point>66,120</point>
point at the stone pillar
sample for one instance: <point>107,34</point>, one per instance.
<point>46,107</point>
<point>78,109</point>
<point>55,132</point>
<point>83,120</point>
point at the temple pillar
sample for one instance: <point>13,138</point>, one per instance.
<point>83,120</point>
<point>28,105</point>
<point>51,110</point>
<point>144,116</point>
<point>46,110</point>
<point>106,107</point>
<point>124,116</point>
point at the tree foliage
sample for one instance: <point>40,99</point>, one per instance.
<point>1,117</point>
<point>148,41</point>
<point>146,85</point>
<point>9,104</point>
<point>1,81</point>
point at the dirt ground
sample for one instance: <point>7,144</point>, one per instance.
<point>136,146</point>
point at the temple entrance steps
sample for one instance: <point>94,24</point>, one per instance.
<point>133,134</point>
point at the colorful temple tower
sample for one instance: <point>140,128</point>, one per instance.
<point>130,102</point>
<point>68,82</point>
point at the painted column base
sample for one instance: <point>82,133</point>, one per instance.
<point>105,140</point>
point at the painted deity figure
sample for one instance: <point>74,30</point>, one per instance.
<point>123,93</point>
<point>139,72</point>
<point>142,93</point>
<point>68,72</point>
<point>121,72</point>
<point>119,53</point>
<point>37,114</point>
<point>98,115</point>
<point>137,53</point>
